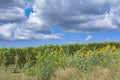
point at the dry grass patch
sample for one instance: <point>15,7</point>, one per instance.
<point>66,74</point>
<point>101,74</point>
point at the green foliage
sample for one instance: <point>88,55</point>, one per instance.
<point>47,63</point>
<point>43,61</point>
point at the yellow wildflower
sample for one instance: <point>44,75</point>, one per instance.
<point>106,50</point>
<point>83,48</point>
<point>89,52</point>
<point>108,46</point>
<point>113,48</point>
<point>61,50</point>
<point>83,56</point>
<point>98,53</point>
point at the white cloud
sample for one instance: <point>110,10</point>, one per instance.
<point>69,15</point>
<point>88,38</point>
<point>80,16</point>
<point>14,25</point>
<point>15,14</point>
<point>72,42</point>
<point>43,36</point>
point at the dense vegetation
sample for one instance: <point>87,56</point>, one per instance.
<point>65,62</point>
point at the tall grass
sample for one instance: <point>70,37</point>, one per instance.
<point>100,64</point>
<point>96,61</point>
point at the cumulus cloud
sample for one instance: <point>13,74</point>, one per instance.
<point>68,15</point>
<point>11,11</point>
<point>14,25</point>
<point>80,15</point>
<point>88,38</point>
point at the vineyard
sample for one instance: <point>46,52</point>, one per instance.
<point>93,61</point>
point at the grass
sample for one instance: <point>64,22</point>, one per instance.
<point>100,64</point>
<point>94,65</point>
<point>99,73</point>
<point>9,75</point>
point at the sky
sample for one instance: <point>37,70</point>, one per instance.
<point>25,23</point>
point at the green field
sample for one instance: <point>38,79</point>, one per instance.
<point>94,61</point>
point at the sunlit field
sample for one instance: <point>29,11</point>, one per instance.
<point>94,61</point>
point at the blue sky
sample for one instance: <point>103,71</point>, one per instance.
<point>26,23</point>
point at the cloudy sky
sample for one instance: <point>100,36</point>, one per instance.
<point>38,22</point>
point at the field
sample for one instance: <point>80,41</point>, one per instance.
<point>9,75</point>
<point>94,61</point>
